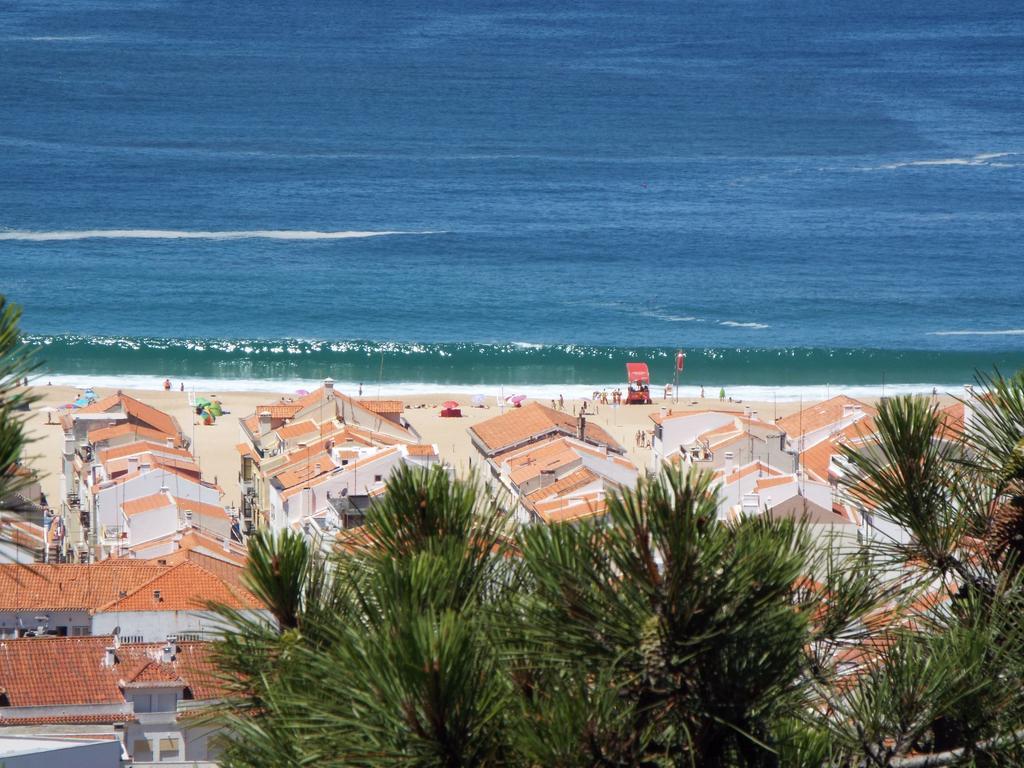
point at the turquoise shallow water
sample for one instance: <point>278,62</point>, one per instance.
<point>795,194</point>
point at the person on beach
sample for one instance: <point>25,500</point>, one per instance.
<point>701,391</point>
<point>167,385</point>
<point>183,386</point>
<point>561,403</point>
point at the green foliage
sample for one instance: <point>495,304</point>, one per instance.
<point>15,364</point>
<point>444,635</point>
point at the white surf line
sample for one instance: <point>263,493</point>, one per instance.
<point>1007,332</point>
<point>181,234</point>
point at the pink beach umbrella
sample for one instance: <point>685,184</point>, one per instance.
<point>449,404</point>
<point>301,391</point>
<point>515,399</point>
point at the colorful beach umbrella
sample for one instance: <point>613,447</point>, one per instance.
<point>515,399</point>
<point>479,400</point>
<point>449,404</point>
<point>301,391</point>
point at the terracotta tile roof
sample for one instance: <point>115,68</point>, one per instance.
<point>100,434</point>
<point>247,450</point>
<point>382,407</point>
<point>820,415</point>
<point>182,587</point>
<point>564,510</point>
<point>546,456</point>
<point>146,503</point>
<point>201,508</point>
<point>289,431</point>
<point>532,422</point>
<point>136,411</point>
<point>70,586</point>
<point>141,447</point>
<point>818,458</point>
<point>657,418</point>
<point>155,461</point>
<point>278,410</point>
<point>422,450</point>
<point>737,473</point>
<point>199,542</point>
<point>103,405</point>
<point>305,471</point>
<point>765,483</point>
<point>28,674</point>
<point>571,482</point>
<point>352,466</point>
<point>952,427</point>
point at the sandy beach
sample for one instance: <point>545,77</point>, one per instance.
<point>213,446</point>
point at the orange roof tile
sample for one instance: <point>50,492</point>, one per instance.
<point>424,449</point>
<point>382,407</point>
<point>201,508</point>
<point>27,674</point>
<point>289,431</point>
<point>70,586</point>
<point>140,447</point>
<point>296,474</point>
<point>563,510</point>
<point>182,587</point>
<point>101,434</point>
<point>820,415</point>
<point>532,422</point>
<point>737,473</point>
<point>146,503</point>
<point>574,480</point>
<point>546,456</point>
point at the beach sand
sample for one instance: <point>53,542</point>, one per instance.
<point>213,446</point>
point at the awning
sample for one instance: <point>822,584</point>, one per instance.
<point>638,373</point>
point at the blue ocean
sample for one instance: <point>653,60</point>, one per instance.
<point>484,194</point>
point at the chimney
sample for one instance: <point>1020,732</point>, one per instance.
<point>581,427</point>
<point>170,442</point>
<point>167,653</point>
<point>41,624</point>
<point>328,383</point>
<point>227,544</point>
<point>157,596</point>
<point>133,462</point>
<point>730,460</point>
<point>264,423</point>
<point>317,469</point>
<point>547,477</point>
<point>109,656</point>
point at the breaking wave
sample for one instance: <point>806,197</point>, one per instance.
<point>183,234</point>
<point>1006,332</point>
<point>519,363</point>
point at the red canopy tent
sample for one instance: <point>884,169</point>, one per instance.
<point>638,373</point>
<point>639,383</point>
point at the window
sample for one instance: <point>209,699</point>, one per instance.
<point>142,702</point>
<point>166,702</point>
<point>168,748</point>
<point>142,752</point>
<point>377,478</point>
<point>79,631</point>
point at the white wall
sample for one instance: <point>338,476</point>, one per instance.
<point>58,753</point>
<point>109,500</point>
<point>155,626</point>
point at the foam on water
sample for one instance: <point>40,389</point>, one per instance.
<point>182,234</point>
<point>738,393</point>
<point>1005,332</point>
